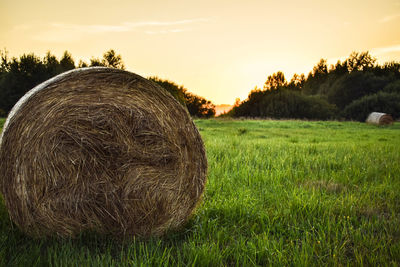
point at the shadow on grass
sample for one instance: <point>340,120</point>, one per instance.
<point>19,249</point>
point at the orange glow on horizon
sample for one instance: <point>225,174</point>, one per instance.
<point>218,50</point>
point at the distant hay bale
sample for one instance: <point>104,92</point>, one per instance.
<point>102,150</point>
<point>379,118</point>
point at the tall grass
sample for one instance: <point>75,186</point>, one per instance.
<point>278,193</point>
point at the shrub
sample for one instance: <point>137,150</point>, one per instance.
<point>354,86</point>
<point>380,102</point>
<point>393,87</point>
<point>283,103</point>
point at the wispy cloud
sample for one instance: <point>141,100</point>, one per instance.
<point>377,51</point>
<point>385,50</point>
<point>126,26</point>
<point>167,31</point>
<point>90,28</point>
<point>389,18</point>
<point>166,23</point>
<point>63,32</point>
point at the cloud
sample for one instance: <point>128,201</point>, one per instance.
<point>377,51</point>
<point>166,31</point>
<point>389,18</point>
<point>385,50</point>
<point>63,32</point>
<point>90,28</point>
<point>126,26</point>
<point>165,23</point>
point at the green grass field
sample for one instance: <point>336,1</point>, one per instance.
<point>278,193</point>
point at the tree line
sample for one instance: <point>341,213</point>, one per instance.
<point>347,90</point>
<point>19,75</point>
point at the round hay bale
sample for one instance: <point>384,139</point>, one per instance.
<point>102,150</point>
<point>379,118</point>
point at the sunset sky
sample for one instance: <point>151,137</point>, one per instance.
<point>218,49</point>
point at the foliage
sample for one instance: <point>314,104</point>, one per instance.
<point>19,75</point>
<point>178,92</point>
<point>286,104</point>
<point>196,105</point>
<point>360,62</point>
<point>199,106</point>
<point>380,102</point>
<point>283,193</point>
<point>297,82</point>
<point>67,62</point>
<point>325,90</point>
<point>110,59</point>
<point>355,85</point>
<point>275,81</point>
<point>393,87</point>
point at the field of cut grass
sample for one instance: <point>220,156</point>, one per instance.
<point>278,193</point>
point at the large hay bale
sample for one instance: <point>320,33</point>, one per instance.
<point>379,118</point>
<point>103,150</point>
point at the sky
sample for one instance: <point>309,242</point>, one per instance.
<point>217,49</point>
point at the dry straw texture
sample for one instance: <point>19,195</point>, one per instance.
<point>379,118</point>
<point>102,150</point>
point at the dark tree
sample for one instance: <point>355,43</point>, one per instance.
<point>380,102</point>
<point>360,61</point>
<point>199,106</point>
<point>393,87</point>
<point>354,86</point>
<point>284,103</point>
<point>275,81</point>
<point>178,92</point>
<point>22,75</point>
<point>326,89</point>
<point>110,59</point>
<point>196,105</point>
<point>51,64</point>
<point>5,62</point>
<point>67,62</point>
<point>297,82</point>
<point>19,75</point>
<point>82,64</point>
<point>340,68</point>
<point>321,69</point>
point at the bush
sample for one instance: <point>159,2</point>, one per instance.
<point>380,102</point>
<point>283,103</point>
<point>393,87</point>
<point>197,106</point>
<point>354,86</point>
<point>289,104</point>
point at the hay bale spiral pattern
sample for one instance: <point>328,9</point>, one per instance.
<point>103,150</point>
